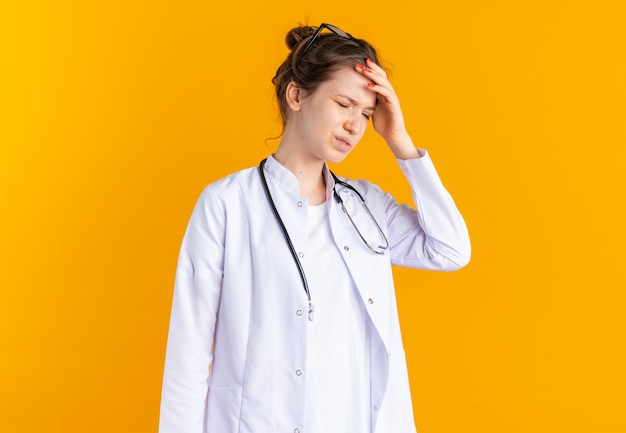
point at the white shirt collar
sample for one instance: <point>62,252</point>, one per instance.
<point>287,180</point>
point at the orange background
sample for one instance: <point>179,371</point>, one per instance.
<point>114,116</point>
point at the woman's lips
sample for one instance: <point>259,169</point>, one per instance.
<point>344,142</point>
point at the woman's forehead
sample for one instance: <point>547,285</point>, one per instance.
<point>350,84</point>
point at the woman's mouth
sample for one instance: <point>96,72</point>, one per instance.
<point>344,142</point>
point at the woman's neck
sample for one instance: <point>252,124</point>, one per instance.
<point>308,172</point>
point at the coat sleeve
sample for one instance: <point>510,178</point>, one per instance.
<point>433,237</point>
<point>195,303</point>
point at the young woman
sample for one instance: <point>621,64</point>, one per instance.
<point>284,316</point>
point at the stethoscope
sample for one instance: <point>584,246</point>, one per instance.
<point>377,249</point>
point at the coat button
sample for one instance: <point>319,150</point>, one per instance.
<point>346,248</point>
<point>298,373</point>
<point>370,301</point>
<point>296,430</point>
<point>299,204</point>
<point>299,312</point>
<point>300,254</point>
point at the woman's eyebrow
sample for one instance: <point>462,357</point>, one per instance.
<point>354,101</point>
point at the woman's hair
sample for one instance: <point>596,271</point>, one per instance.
<point>328,53</point>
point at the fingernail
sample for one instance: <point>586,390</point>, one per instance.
<point>368,70</point>
<point>360,66</point>
<point>371,84</point>
<point>370,60</point>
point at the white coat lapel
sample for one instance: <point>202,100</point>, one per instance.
<point>370,272</point>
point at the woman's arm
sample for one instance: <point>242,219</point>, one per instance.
<point>434,237</point>
<point>195,303</point>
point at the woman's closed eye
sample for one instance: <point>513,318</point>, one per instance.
<point>365,114</point>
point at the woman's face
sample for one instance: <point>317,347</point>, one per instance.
<point>332,119</point>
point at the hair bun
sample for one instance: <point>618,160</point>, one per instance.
<point>297,35</point>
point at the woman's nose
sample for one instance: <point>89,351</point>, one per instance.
<point>354,124</point>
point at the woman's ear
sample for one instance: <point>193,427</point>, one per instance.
<point>293,95</point>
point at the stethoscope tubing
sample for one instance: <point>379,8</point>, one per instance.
<point>305,285</point>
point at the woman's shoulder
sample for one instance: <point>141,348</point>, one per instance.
<point>230,186</point>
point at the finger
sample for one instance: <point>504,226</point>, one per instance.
<point>377,74</point>
<point>375,67</point>
<point>383,90</point>
<point>377,77</point>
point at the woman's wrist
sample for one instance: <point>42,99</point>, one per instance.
<point>404,148</point>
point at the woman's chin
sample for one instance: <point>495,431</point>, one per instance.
<point>338,154</point>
